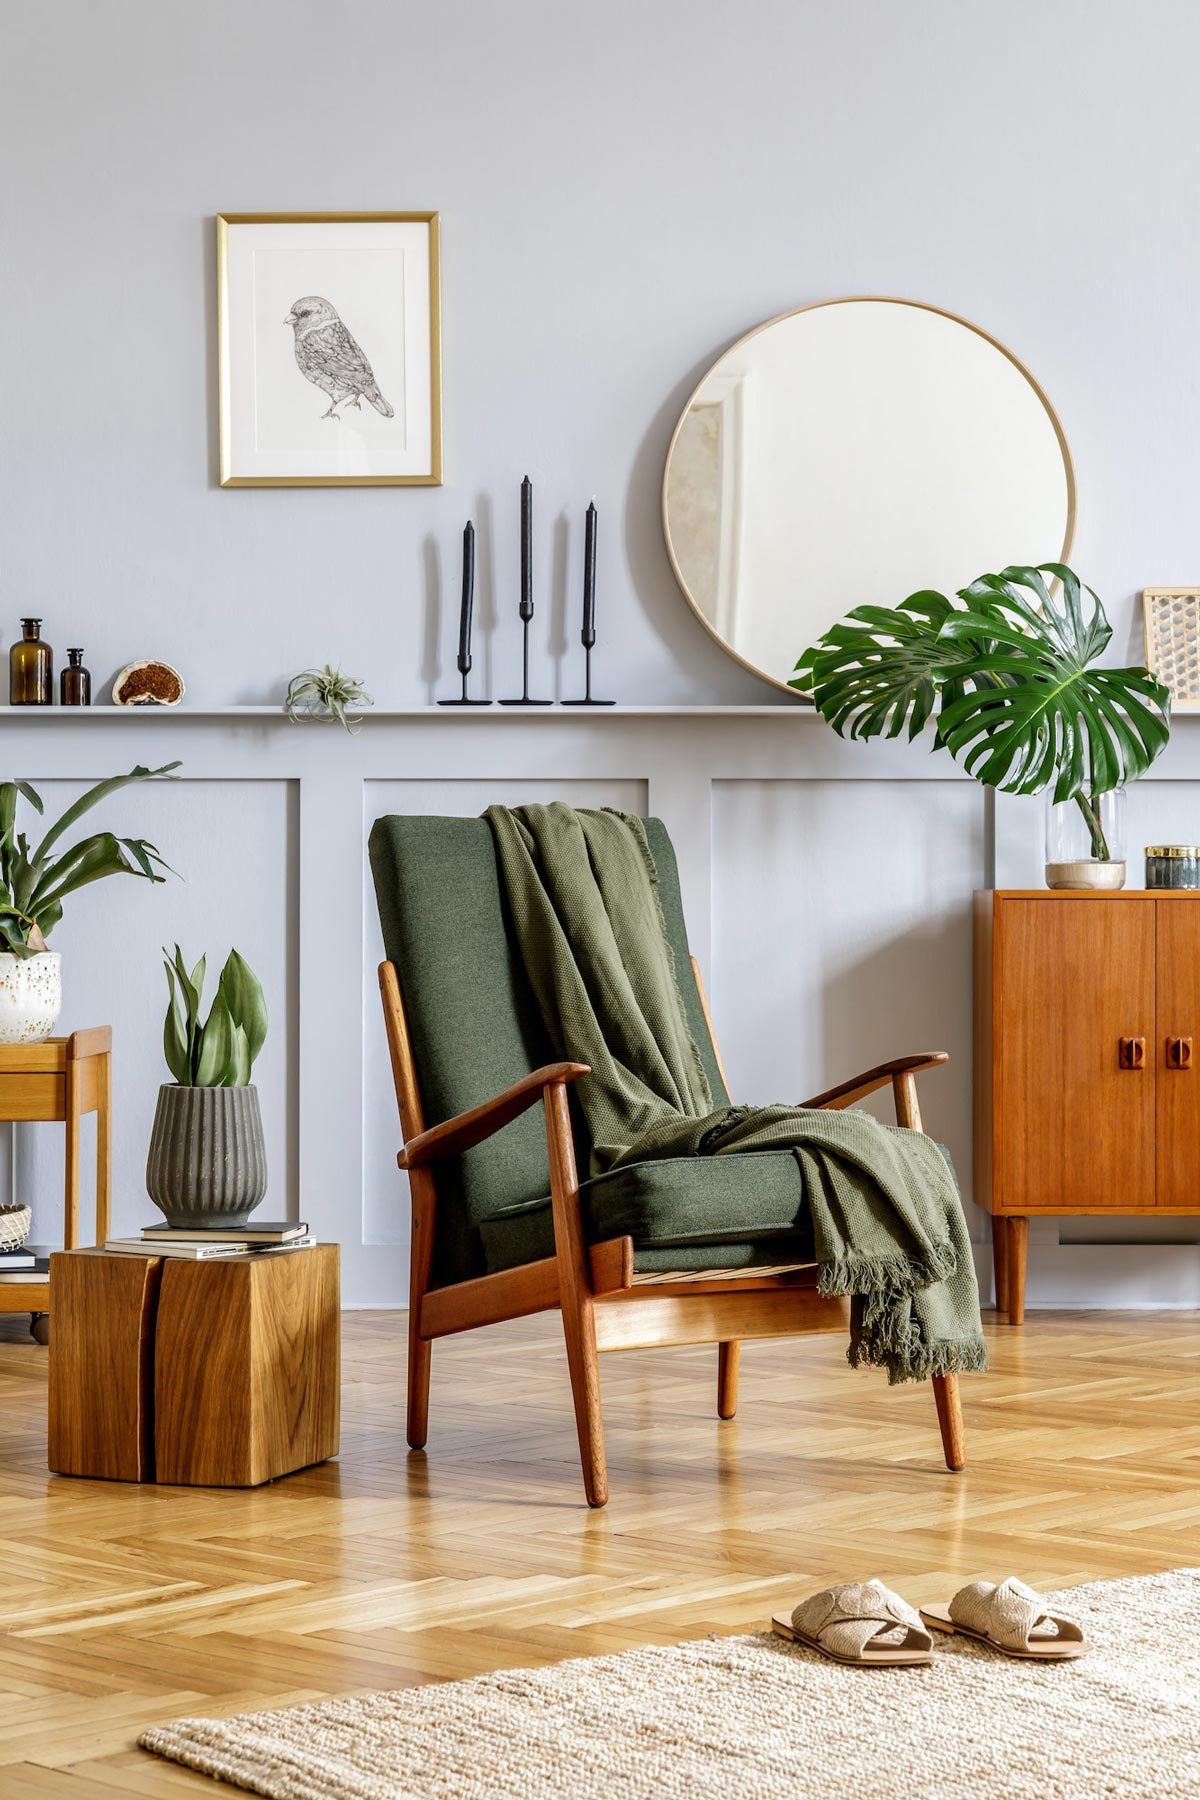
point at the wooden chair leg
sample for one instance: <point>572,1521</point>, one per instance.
<point>579,1329</point>
<point>575,1296</point>
<point>949,1412</point>
<point>420,1355</point>
<point>1000,1261</point>
<point>1017,1256</point>
<point>420,1350</point>
<point>945,1387</point>
<point>729,1356</point>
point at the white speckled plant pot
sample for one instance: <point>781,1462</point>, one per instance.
<point>30,996</point>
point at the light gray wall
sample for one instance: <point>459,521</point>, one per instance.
<point>624,190</point>
<point>625,187</point>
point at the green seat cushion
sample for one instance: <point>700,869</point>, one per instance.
<point>688,1212</point>
<point>717,1212</point>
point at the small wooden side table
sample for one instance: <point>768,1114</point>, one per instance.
<point>221,1373</point>
<point>62,1079</point>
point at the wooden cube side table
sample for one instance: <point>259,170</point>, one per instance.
<point>61,1079</point>
<point>222,1373</point>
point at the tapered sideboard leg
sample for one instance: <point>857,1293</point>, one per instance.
<point>1000,1260</point>
<point>1017,1252</point>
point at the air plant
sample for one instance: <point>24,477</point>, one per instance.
<point>324,694</point>
<point>34,883</point>
<point>221,1051</point>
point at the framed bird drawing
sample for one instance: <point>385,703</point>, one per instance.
<point>329,349</point>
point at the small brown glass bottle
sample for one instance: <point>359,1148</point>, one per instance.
<point>31,668</point>
<point>75,684</point>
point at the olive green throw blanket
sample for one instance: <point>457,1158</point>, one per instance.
<point>582,890</point>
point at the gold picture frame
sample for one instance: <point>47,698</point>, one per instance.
<point>426,410</point>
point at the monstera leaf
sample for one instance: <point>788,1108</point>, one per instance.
<point>885,669</point>
<point>1009,670</point>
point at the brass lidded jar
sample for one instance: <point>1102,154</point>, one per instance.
<point>1173,865</point>
<point>31,668</point>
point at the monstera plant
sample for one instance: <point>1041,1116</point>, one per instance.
<point>1008,677</point>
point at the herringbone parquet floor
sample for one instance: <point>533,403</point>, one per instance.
<point>122,1605</point>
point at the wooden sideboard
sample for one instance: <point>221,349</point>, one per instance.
<point>1087,1061</point>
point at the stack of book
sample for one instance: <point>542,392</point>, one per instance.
<point>28,1262</point>
<point>268,1238</point>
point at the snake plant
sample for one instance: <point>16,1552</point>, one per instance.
<point>34,883</point>
<point>221,1051</point>
<point>1009,674</point>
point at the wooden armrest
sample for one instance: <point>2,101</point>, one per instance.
<point>455,1135</point>
<point>847,1092</point>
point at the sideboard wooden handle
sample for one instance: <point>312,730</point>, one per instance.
<point>1179,1053</point>
<point>1131,1053</point>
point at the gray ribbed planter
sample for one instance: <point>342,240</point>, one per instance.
<point>207,1164</point>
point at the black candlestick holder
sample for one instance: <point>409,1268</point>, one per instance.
<point>524,698</point>
<point>464,699</point>
<point>588,699</point>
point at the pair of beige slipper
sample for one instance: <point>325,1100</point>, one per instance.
<point>865,1624</point>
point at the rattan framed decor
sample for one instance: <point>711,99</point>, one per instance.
<point>1171,616</point>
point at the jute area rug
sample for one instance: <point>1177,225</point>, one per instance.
<point>754,1717</point>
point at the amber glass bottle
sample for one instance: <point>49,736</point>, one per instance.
<point>75,684</point>
<point>31,668</point>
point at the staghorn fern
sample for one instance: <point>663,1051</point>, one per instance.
<point>324,694</point>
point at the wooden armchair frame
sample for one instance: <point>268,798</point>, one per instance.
<point>604,1305</point>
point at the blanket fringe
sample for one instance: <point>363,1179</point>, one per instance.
<point>920,1361</point>
<point>885,1334</point>
<point>886,1278</point>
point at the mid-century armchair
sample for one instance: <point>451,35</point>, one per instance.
<point>694,1250</point>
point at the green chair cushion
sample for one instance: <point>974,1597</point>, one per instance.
<point>718,1212</point>
<point>472,1019</point>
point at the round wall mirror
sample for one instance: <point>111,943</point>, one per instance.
<point>852,452</point>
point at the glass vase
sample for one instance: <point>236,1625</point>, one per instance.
<point>1085,841</point>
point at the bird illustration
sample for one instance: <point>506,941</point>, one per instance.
<point>328,356</point>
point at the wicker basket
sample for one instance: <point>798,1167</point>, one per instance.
<point>14,1226</point>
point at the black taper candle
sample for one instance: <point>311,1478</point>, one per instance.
<point>526,607</point>
<point>464,621</point>
<point>588,635</point>
<point>526,549</point>
<point>468,599</point>
<point>589,578</point>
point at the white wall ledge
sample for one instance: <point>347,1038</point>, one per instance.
<point>75,714</point>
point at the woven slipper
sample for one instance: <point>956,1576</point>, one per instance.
<point>861,1623</point>
<point>1011,1618</point>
